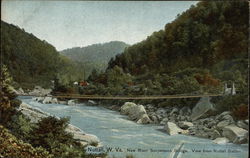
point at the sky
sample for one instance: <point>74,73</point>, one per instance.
<point>67,24</point>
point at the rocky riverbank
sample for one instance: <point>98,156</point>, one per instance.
<point>36,114</point>
<point>201,121</point>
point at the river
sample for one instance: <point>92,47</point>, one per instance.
<point>142,141</point>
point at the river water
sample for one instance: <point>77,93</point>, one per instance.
<point>142,141</point>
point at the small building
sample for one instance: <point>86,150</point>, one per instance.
<point>83,83</point>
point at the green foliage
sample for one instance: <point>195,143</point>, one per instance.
<point>203,48</point>
<point>11,146</point>
<point>32,61</point>
<point>21,126</point>
<point>50,134</point>
<point>229,103</point>
<point>7,107</point>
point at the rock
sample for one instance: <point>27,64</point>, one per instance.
<point>160,111</point>
<point>202,109</point>
<point>221,140</point>
<point>164,121</point>
<point>86,139</point>
<point>172,128</point>
<point>185,125</point>
<point>174,111</point>
<point>71,102</point>
<point>20,91</point>
<point>54,101</point>
<point>235,134</point>
<point>185,111</point>
<point>247,122</point>
<point>223,124</point>
<point>242,124</point>
<point>135,112</point>
<point>62,102</point>
<point>47,100</point>
<point>228,117</point>
<point>144,119</point>
<point>92,102</point>
<point>154,119</point>
<point>214,134</point>
<point>125,109</point>
<point>220,116</point>
<point>39,99</point>
<point>33,114</point>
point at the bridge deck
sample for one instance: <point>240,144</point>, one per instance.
<point>96,97</point>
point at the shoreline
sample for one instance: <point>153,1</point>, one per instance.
<point>220,128</point>
<point>35,114</point>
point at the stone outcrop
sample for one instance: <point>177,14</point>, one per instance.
<point>235,134</point>
<point>202,109</point>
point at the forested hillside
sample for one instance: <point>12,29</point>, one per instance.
<point>95,56</point>
<point>32,61</point>
<point>201,50</point>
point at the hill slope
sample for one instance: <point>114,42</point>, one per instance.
<point>32,61</point>
<point>95,56</point>
<point>202,48</point>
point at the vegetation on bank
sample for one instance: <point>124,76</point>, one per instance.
<point>20,138</point>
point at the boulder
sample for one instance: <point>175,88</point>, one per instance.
<point>47,100</point>
<point>228,117</point>
<point>220,116</point>
<point>164,121</point>
<point>221,140</point>
<point>242,124</point>
<point>54,101</point>
<point>137,112</point>
<point>185,125</point>
<point>223,124</point>
<point>125,109</point>
<point>185,111</point>
<point>144,119</point>
<point>202,109</point>
<point>214,134</point>
<point>86,139</point>
<point>154,119</point>
<point>235,134</point>
<point>71,102</point>
<point>174,111</point>
<point>172,129</point>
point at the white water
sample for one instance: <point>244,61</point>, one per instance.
<point>114,130</point>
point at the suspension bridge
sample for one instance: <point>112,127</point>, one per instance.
<point>141,97</point>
